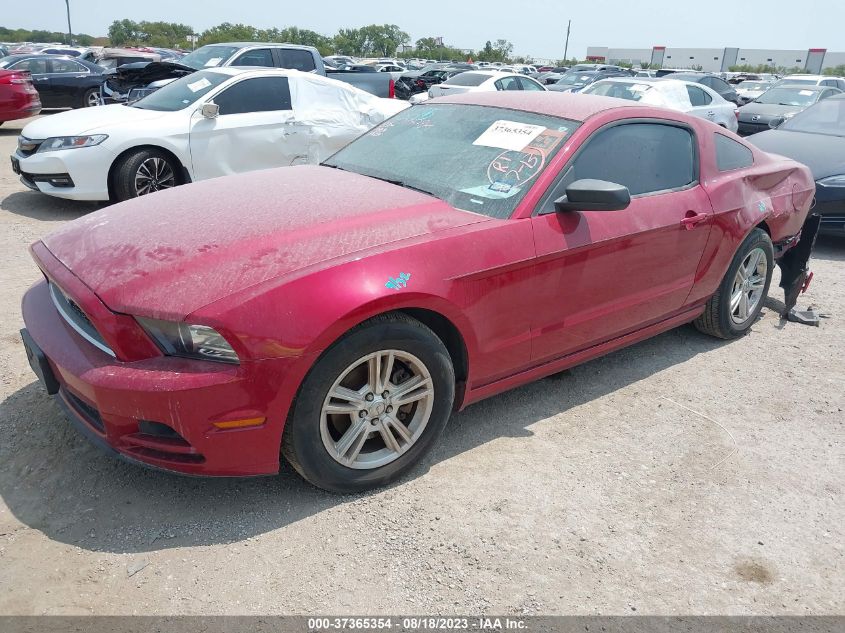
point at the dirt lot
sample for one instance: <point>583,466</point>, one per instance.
<point>682,475</point>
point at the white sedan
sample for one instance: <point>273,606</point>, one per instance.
<point>484,80</point>
<point>211,123</point>
<point>684,96</point>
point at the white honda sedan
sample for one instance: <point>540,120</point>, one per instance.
<point>211,123</point>
<point>684,96</point>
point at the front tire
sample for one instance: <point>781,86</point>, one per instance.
<point>143,172</point>
<point>371,407</point>
<point>735,306</point>
<point>90,99</point>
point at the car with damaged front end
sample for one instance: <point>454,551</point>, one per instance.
<point>336,315</point>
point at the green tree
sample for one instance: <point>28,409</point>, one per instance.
<point>124,32</point>
<point>228,32</point>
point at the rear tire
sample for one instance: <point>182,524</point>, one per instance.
<point>142,172</point>
<point>364,439</point>
<point>735,306</point>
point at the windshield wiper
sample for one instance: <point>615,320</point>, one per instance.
<point>401,183</point>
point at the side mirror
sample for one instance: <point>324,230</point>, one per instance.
<point>594,195</point>
<point>777,122</point>
<point>210,110</point>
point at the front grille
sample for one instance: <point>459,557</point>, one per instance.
<point>28,146</point>
<point>88,412</point>
<point>77,319</point>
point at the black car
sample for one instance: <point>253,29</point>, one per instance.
<point>778,104</point>
<point>727,91</point>
<point>816,137</point>
<point>61,82</point>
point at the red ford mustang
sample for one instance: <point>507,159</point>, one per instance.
<point>338,314</point>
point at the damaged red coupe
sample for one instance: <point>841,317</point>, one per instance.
<point>336,315</point>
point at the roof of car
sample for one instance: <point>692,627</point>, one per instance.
<point>803,87</point>
<point>576,107</point>
<point>246,44</point>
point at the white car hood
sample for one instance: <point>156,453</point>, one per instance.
<point>85,120</point>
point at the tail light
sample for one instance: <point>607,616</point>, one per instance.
<point>19,77</point>
<point>420,83</point>
<point>391,89</point>
<point>736,113</point>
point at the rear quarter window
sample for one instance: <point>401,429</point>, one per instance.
<point>732,155</point>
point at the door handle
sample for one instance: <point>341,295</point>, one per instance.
<point>693,219</point>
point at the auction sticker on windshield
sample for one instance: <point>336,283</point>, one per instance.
<point>509,135</point>
<point>199,85</point>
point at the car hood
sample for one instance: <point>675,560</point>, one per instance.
<point>84,120</point>
<point>766,111</point>
<point>171,253</point>
<point>142,73</point>
<point>823,154</point>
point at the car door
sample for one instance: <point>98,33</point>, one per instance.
<point>67,81</point>
<point>40,78</point>
<point>255,116</point>
<point>701,103</point>
<point>603,274</point>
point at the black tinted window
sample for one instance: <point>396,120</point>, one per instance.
<point>66,66</point>
<point>263,94</point>
<point>35,66</point>
<point>698,97</point>
<point>258,57</point>
<point>296,59</point>
<point>467,79</point>
<point>645,157</point>
<point>732,155</point>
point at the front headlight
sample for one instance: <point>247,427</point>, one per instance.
<point>833,181</point>
<point>189,341</point>
<point>71,142</point>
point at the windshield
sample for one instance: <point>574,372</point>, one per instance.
<point>475,158</point>
<point>181,93</point>
<point>575,79</point>
<point>826,117</point>
<point>788,97</point>
<point>754,85</point>
<point>467,79</point>
<point>208,56</point>
<point>797,82</point>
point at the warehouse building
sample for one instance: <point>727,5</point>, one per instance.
<point>814,60</point>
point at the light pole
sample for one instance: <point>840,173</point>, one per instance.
<point>69,31</point>
<point>565,49</point>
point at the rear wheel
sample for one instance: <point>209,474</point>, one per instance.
<point>142,172</point>
<point>371,407</point>
<point>735,306</point>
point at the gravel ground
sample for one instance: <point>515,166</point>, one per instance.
<point>683,475</point>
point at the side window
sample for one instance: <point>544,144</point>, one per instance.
<point>828,82</point>
<point>645,157</point>
<point>296,59</point>
<point>508,83</point>
<point>262,94</point>
<point>35,66</point>
<point>527,84</point>
<point>66,66</point>
<point>840,83</point>
<point>258,57</point>
<point>698,97</point>
<point>731,155</point>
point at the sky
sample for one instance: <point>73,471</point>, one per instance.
<point>535,27</point>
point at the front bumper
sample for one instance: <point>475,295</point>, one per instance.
<point>747,128</point>
<point>830,205</point>
<point>86,168</point>
<point>113,402</point>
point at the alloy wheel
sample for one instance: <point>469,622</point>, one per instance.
<point>92,100</point>
<point>153,175</point>
<point>377,409</point>
<point>748,286</point>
